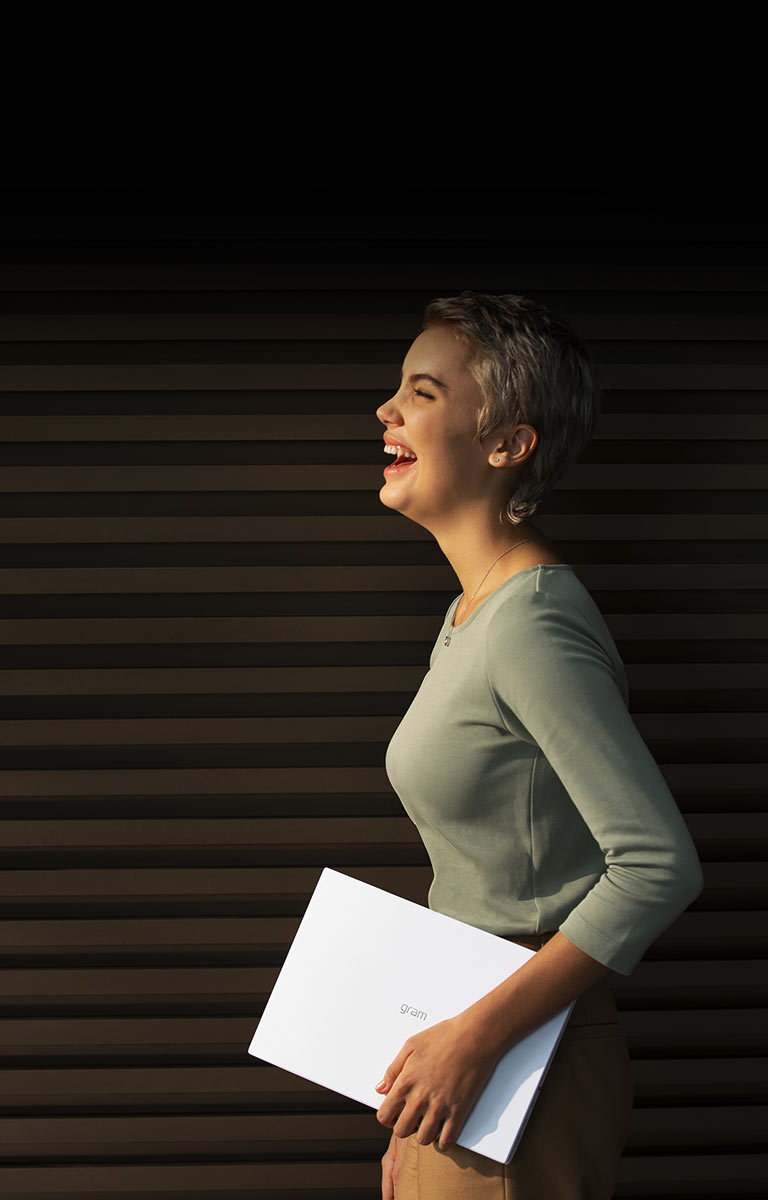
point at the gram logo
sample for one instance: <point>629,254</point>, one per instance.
<point>407,1011</point>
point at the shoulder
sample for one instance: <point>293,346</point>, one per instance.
<point>547,594</point>
<point>548,612</point>
<point>549,656</point>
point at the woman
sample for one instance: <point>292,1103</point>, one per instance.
<point>544,815</point>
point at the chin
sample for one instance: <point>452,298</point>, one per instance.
<point>391,500</point>
<point>387,498</point>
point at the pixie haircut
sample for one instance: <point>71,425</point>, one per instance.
<point>532,369</point>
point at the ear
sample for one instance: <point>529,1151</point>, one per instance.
<point>514,447</point>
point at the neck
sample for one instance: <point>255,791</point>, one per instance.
<point>471,546</point>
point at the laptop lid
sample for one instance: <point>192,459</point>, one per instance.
<point>365,971</point>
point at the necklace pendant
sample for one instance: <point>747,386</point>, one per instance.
<point>447,640</point>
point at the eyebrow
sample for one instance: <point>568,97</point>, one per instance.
<point>424,375</point>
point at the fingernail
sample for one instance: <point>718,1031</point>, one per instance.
<point>381,1084</point>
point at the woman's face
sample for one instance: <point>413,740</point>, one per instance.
<point>432,418</point>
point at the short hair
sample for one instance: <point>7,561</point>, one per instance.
<point>532,369</point>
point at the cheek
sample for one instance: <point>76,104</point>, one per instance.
<point>459,455</point>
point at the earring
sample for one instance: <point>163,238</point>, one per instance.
<point>496,458</point>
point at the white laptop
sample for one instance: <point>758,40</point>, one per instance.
<point>368,969</point>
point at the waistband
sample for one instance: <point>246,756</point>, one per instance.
<point>531,941</point>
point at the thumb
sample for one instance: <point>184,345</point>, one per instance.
<point>392,1072</point>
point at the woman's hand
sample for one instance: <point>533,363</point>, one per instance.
<point>439,1073</point>
<point>434,1081</point>
<point>390,1167</point>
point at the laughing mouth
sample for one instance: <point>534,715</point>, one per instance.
<point>403,454</point>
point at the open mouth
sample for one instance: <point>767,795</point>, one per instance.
<point>404,457</point>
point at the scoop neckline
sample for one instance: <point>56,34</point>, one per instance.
<point>517,575</point>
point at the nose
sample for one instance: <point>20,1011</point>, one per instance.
<point>389,412</point>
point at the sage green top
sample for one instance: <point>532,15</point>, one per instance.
<point>539,804</point>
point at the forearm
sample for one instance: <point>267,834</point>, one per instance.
<point>556,974</point>
<point>438,1074</point>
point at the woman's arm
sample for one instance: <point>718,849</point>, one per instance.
<point>556,682</point>
<point>437,1076</point>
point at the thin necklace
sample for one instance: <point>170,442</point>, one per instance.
<point>447,641</point>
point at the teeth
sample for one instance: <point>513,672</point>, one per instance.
<point>398,451</point>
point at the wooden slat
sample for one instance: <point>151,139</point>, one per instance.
<point>692,678</point>
<point>188,580</point>
<point>707,1176</point>
<point>339,577</point>
<point>716,778</point>
<point>630,526</point>
<point>259,1088</point>
<point>379,376</point>
<point>389,628</point>
<point>130,1040</point>
<point>329,1136</point>
<point>210,429</point>
<point>100,731</point>
<point>695,935</point>
<point>632,516</point>
<point>727,1127</point>
<point>624,528</point>
<point>251,1086</point>
<point>253,1136</point>
<point>125,630</point>
<point>662,318</point>
<point>650,584</point>
<point>744,1080</point>
<point>365,476</point>
<point>283,890</point>
<point>314,527</point>
<point>746,830</point>
<point>197,731</point>
<point>378,349</point>
<point>235,781</point>
<point>189,1040</point>
<point>161,937</point>
<point>206,1181</point>
<point>181,681</point>
<point>246,989</point>
<point>363,428</point>
<point>275,888</point>
<point>216,834</point>
<point>710,1031</point>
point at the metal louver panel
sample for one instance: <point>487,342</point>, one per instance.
<point>210,628</point>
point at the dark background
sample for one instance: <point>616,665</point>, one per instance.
<point>210,628</point>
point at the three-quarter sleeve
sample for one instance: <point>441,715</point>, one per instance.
<point>554,675</point>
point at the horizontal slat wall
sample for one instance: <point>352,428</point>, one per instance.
<point>210,628</point>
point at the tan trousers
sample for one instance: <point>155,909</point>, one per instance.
<point>572,1143</point>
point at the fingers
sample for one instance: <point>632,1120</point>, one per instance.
<point>429,1129</point>
<point>448,1133</point>
<point>419,1099</point>
<point>387,1177</point>
<point>414,1116</point>
<point>408,1121</point>
<point>399,1113</point>
<point>393,1070</point>
<point>389,1112</point>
